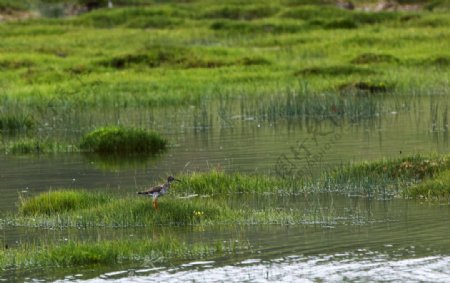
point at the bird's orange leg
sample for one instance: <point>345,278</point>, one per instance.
<point>155,203</point>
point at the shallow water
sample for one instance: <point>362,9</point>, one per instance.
<point>395,240</point>
<point>361,240</point>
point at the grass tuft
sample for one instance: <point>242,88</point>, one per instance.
<point>373,58</point>
<point>10,123</point>
<point>56,202</point>
<point>340,70</point>
<point>220,183</point>
<point>415,167</point>
<point>364,88</point>
<point>437,188</point>
<point>121,141</point>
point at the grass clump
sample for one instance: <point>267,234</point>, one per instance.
<point>220,183</point>
<point>11,123</point>
<point>76,253</point>
<point>240,13</point>
<point>122,140</point>
<point>416,167</point>
<point>56,202</point>
<point>35,146</point>
<point>7,6</point>
<point>132,17</point>
<point>80,208</point>
<point>439,61</point>
<point>339,70</point>
<point>437,188</point>
<point>12,64</point>
<point>374,58</point>
<point>364,88</point>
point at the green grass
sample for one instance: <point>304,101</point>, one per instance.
<point>416,167</point>
<point>16,123</point>
<point>436,188</point>
<point>117,140</point>
<point>25,146</point>
<point>78,208</point>
<point>108,252</point>
<point>388,177</point>
<point>220,183</point>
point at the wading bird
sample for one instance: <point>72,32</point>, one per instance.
<point>156,191</point>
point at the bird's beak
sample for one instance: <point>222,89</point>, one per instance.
<point>178,180</point>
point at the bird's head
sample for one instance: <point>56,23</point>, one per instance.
<point>172,178</point>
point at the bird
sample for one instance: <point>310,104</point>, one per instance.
<point>158,190</point>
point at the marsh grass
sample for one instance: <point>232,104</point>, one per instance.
<point>339,70</point>
<point>365,88</point>
<point>435,188</point>
<point>107,252</point>
<point>16,123</point>
<point>387,177</point>
<point>57,202</point>
<point>35,146</point>
<point>220,183</point>
<point>79,208</point>
<point>373,58</point>
<point>117,140</point>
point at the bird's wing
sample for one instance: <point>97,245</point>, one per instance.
<point>150,191</point>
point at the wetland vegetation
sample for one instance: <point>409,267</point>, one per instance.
<point>131,84</point>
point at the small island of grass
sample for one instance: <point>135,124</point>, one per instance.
<point>117,140</point>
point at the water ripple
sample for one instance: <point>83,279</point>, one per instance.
<point>323,268</point>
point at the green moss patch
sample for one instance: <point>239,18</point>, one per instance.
<point>122,140</point>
